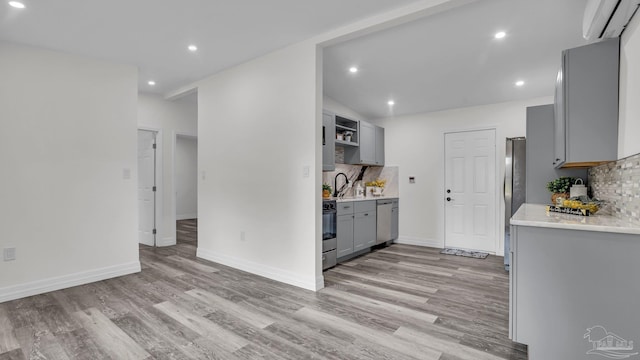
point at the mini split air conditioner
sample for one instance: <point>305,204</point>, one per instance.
<point>607,18</point>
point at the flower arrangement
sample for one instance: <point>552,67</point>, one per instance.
<point>375,187</point>
<point>378,183</point>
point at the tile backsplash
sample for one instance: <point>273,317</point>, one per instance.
<point>618,183</point>
<point>388,173</point>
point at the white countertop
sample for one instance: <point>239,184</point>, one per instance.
<point>350,198</point>
<point>537,216</point>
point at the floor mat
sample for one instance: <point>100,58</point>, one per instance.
<point>465,253</point>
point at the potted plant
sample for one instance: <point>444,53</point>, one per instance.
<point>326,190</point>
<point>559,188</point>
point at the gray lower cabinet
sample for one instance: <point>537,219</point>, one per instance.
<point>586,129</point>
<point>357,227</point>
<point>563,283</point>
<point>364,225</point>
<point>395,219</point>
<point>344,232</point>
<point>328,141</point>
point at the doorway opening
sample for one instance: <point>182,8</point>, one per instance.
<point>470,190</point>
<point>186,189</point>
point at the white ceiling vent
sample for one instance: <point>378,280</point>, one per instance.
<point>607,18</point>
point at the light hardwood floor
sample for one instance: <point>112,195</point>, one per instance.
<point>400,302</point>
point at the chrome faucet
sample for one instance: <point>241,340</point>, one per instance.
<point>335,183</point>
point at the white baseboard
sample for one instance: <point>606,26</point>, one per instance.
<point>186,216</point>
<point>406,240</point>
<point>66,281</point>
<point>167,241</point>
<point>287,277</point>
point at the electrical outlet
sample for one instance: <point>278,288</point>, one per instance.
<point>126,173</point>
<point>9,254</point>
<point>242,236</point>
<point>203,175</point>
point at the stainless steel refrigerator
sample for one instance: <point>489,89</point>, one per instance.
<point>514,187</point>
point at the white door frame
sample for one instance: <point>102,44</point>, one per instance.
<point>173,166</point>
<point>498,189</point>
<point>158,176</point>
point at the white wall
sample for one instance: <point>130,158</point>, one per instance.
<point>186,177</point>
<point>169,118</point>
<point>629,121</point>
<point>67,137</point>
<point>416,144</point>
<point>258,128</point>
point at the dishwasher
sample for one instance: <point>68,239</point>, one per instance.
<point>387,213</point>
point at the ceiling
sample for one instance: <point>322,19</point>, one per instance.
<point>452,60</point>
<point>154,34</point>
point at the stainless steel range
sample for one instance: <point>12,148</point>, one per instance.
<point>329,227</point>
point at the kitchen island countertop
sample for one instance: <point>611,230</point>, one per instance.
<point>537,216</point>
<point>348,199</point>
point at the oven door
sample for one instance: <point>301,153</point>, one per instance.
<point>329,224</point>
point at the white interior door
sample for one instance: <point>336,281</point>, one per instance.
<point>146,187</point>
<point>470,190</point>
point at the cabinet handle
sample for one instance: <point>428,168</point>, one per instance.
<point>366,214</point>
<point>347,207</point>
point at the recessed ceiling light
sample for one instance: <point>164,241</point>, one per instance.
<point>500,35</point>
<point>151,83</point>
<point>353,69</point>
<point>391,102</point>
<point>192,48</point>
<point>519,83</point>
<point>17,4</point>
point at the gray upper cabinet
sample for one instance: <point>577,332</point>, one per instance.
<point>539,150</point>
<point>371,148</point>
<point>328,141</point>
<point>587,105</point>
<point>379,146</point>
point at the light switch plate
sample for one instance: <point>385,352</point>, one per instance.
<point>412,180</point>
<point>9,254</point>
<point>305,171</point>
<point>126,173</point>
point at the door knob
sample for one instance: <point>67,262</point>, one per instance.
<point>448,191</point>
<point>449,199</point>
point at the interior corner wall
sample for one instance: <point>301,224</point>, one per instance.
<point>629,112</point>
<point>170,117</point>
<point>186,169</point>
<point>68,157</point>
<point>259,151</point>
<point>415,143</point>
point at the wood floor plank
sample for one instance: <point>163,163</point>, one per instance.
<point>380,306</point>
<point>108,336</point>
<point>202,326</point>
<point>8,341</point>
<point>416,351</point>
<point>191,264</point>
<point>452,348</point>
<point>244,313</point>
